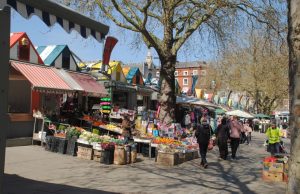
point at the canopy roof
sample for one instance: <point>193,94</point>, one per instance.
<point>239,113</point>
<point>51,12</point>
<point>194,101</point>
<point>260,115</point>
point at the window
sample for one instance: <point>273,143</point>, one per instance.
<point>137,79</point>
<point>185,81</point>
<point>203,72</point>
<point>195,72</point>
<point>176,73</point>
<point>65,61</point>
<point>185,73</point>
<point>24,52</point>
<point>118,76</point>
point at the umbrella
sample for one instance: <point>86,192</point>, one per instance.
<point>260,115</point>
<point>239,113</point>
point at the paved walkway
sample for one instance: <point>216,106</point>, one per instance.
<point>32,170</point>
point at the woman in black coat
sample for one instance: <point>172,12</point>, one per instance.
<point>222,134</point>
<point>203,134</point>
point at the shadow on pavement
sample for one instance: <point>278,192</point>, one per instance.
<point>14,184</point>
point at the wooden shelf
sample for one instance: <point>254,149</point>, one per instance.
<point>19,117</point>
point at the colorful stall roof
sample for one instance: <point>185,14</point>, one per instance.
<point>114,70</point>
<point>21,44</point>
<point>41,77</point>
<point>58,56</point>
<point>134,76</point>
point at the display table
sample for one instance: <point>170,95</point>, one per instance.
<point>116,129</point>
<point>145,141</point>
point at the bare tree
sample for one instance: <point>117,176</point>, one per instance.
<point>259,67</point>
<point>294,89</point>
<point>166,25</point>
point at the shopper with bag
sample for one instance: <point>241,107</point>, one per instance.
<point>203,135</point>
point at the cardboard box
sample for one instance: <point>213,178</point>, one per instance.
<point>85,153</point>
<point>167,159</point>
<point>272,176</point>
<point>273,167</point>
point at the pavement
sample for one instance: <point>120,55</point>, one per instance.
<point>32,170</point>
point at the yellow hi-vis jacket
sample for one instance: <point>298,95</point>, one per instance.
<point>273,135</point>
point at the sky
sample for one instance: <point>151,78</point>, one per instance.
<point>88,49</point>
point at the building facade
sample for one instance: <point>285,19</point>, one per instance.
<point>185,71</point>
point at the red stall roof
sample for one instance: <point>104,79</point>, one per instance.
<point>89,84</point>
<point>42,77</point>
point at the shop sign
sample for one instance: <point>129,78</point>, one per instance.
<point>106,99</point>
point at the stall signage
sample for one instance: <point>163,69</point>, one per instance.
<point>106,107</point>
<point>106,99</point>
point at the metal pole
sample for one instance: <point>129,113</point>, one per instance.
<point>4,79</point>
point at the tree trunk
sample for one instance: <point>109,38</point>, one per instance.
<point>294,89</point>
<point>167,98</point>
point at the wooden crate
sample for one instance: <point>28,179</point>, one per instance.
<point>167,159</point>
<point>97,155</point>
<point>85,153</point>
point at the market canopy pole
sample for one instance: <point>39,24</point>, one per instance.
<point>4,73</point>
<point>50,13</point>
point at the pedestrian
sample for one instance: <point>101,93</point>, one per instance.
<point>248,131</point>
<point>273,134</point>
<point>235,135</point>
<point>222,135</point>
<point>243,133</point>
<point>203,134</point>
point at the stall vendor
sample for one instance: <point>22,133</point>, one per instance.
<point>126,126</point>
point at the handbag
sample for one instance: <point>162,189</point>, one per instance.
<point>210,142</point>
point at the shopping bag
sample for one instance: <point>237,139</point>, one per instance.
<point>210,144</point>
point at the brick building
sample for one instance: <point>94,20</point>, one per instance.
<point>185,70</point>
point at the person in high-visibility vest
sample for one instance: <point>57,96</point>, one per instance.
<point>273,133</point>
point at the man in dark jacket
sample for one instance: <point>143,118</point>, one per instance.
<point>203,134</point>
<point>222,134</point>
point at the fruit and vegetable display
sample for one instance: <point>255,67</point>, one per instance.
<point>166,140</point>
<point>112,127</point>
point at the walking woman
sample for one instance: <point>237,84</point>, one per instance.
<point>235,135</point>
<point>222,135</point>
<point>203,134</point>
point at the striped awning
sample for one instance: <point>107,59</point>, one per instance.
<point>90,86</point>
<point>42,78</point>
<point>51,12</point>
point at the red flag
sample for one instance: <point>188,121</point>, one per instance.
<point>109,45</point>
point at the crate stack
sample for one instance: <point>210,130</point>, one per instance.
<point>275,171</point>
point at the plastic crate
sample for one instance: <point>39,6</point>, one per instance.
<point>72,146</point>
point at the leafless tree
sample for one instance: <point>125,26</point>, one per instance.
<point>258,66</point>
<point>166,25</point>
